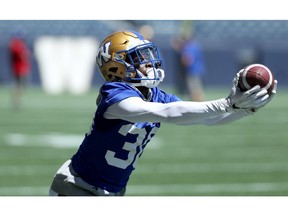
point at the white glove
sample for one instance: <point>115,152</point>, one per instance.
<point>251,99</point>
<point>271,96</point>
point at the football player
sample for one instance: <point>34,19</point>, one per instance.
<point>130,110</point>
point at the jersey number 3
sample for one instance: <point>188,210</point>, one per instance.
<point>133,155</point>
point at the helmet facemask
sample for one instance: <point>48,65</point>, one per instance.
<point>146,53</point>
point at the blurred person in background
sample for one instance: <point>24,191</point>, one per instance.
<point>130,108</point>
<point>147,32</point>
<point>20,65</point>
<point>191,57</point>
<point>179,76</point>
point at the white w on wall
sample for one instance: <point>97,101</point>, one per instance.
<point>66,64</point>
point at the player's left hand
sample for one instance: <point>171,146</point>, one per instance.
<point>252,98</point>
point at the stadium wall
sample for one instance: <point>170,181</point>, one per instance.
<point>221,54</point>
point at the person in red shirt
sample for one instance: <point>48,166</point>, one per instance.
<point>20,65</point>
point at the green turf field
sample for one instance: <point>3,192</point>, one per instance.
<point>248,157</point>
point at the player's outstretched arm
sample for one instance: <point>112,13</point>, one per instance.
<point>134,109</point>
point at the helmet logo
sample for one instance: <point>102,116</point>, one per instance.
<point>103,54</point>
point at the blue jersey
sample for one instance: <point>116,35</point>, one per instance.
<point>110,151</point>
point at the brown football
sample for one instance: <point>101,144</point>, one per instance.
<point>256,74</point>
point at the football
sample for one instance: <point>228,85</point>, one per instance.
<point>256,74</point>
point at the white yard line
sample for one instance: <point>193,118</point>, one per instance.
<point>57,140</point>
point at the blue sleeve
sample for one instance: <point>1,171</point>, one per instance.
<point>116,91</point>
<point>112,92</point>
<point>163,97</point>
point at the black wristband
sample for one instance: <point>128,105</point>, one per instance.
<point>235,107</point>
